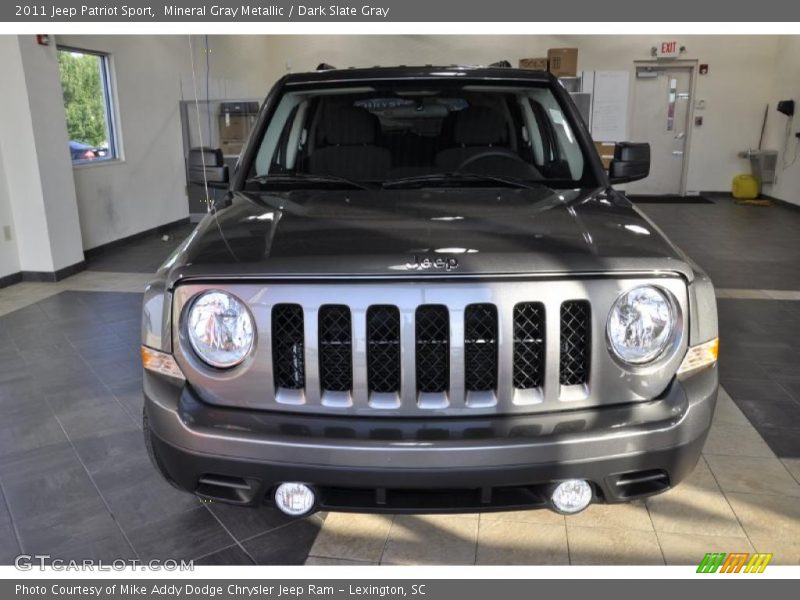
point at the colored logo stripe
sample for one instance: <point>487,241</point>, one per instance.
<point>734,563</point>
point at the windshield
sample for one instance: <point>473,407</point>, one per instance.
<point>430,134</point>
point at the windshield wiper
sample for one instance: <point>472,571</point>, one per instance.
<point>453,177</point>
<point>290,178</point>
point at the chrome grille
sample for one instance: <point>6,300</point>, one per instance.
<point>335,348</point>
<point>529,347</point>
<point>480,347</point>
<point>433,348</point>
<point>383,349</point>
<point>288,346</point>
<point>575,328</point>
<point>421,348</point>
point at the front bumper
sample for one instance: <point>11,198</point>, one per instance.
<point>430,465</point>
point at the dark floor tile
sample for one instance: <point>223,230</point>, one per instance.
<point>28,428</point>
<point>229,556</point>
<point>75,534</point>
<point>9,548</point>
<point>47,481</point>
<point>13,367</point>
<point>91,416</point>
<point>115,459</point>
<point>5,516</point>
<point>793,387</point>
<point>287,545</point>
<point>246,522</point>
<point>129,394</point>
<point>740,367</point>
<point>783,441</point>
<point>764,403</point>
<point>75,391</point>
<point>183,536</point>
<point>148,499</point>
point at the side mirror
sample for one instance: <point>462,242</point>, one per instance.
<point>631,163</point>
<point>206,166</point>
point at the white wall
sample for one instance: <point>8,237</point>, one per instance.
<point>736,88</point>
<point>152,74</point>
<point>145,188</point>
<point>9,258</point>
<point>786,86</point>
<point>46,105</point>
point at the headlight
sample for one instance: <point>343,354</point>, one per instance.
<point>640,325</point>
<point>220,328</point>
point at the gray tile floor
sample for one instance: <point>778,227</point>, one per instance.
<point>75,479</point>
<point>740,246</point>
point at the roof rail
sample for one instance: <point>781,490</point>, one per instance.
<point>325,67</point>
<point>503,64</point>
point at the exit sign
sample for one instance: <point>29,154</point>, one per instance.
<point>668,49</point>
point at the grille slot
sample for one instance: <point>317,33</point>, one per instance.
<point>529,346</point>
<point>575,333</point>
<point>433,348</point>
<point>480,347</point>
<point>335,348</point>
<point>383,349</point>
<point>288,346</point>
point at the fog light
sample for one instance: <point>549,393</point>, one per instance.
<point>294,499</point>
<point>572,496</point>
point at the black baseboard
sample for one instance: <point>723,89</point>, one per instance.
<point>8,280</point>
<point>160,230</point>
<point>53,276</point>
<point>42,276</point>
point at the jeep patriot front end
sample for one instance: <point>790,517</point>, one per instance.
<point>420,293</point>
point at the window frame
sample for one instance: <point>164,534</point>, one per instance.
<point>108,88</point>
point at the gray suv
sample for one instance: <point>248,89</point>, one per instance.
<point>420,293</point>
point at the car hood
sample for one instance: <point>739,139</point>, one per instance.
<point>402,233</point>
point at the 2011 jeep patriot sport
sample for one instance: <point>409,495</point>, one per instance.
<point>420,294</point>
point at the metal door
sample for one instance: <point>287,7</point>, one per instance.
<point>661,108</point>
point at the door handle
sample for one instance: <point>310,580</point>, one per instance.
<point>677,153</point>
<point>680,136</point>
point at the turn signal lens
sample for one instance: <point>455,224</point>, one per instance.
<point>700,356</point>
<point>160,362</point>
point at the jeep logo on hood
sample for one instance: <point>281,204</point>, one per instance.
<point>440,262</point>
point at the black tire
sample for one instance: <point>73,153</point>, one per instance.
<point>148,443</point>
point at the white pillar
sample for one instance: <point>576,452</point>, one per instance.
<point>37,168</point>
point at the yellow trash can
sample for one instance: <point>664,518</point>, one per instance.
<point>745,187</point>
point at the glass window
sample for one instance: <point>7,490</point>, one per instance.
<point>85,84</point>
<point>400,130</point>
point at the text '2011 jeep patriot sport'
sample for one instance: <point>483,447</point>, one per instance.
<point>421,294</point>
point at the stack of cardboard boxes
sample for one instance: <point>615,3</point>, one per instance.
<point>236,119</point>
<point>561,62</point>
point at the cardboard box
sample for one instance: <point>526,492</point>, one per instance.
<point>535,64</point>
<point>563,62</point>
<point>606,152</point>
<point>235,128</point>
